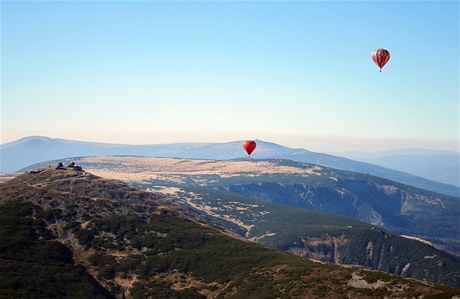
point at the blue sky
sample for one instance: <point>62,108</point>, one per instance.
<point>296,73</point>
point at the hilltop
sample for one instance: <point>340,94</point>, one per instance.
<point>300,208</point>
<point>101,238</point>
<point>26,151</point>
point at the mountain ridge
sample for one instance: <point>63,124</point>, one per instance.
<point>134,253</point>
<point>238,194</point>
<point>17,155</point>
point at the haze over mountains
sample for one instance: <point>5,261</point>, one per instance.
<point>26,151</point>
<point>441,166</point>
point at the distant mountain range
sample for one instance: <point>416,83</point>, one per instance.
<point>26,151</point>
<point>440,166</point>
<point>70,234</point>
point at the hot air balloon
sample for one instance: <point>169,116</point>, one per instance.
<point>249,146</point>
<point>380,57</point>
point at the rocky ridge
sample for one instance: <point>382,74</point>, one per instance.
<point>137,244</point>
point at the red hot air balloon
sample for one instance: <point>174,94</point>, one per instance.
<point>380,57</point>
<point>249,146</point>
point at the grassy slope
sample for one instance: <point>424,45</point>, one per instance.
<point>288,229</point>
<point>32,265</point>
<point>164,254</point>
<point>162,251</point>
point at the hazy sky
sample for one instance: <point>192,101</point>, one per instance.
<point>297,73</point>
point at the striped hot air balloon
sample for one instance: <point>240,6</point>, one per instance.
<point>380,57</point>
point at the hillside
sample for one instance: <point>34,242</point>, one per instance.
<point>321,236</point>
<point>239,195</point>
<point>24,152</point>
<point>112,240</point>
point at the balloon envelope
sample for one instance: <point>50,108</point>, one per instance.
<point>380,57</point>
<point>249,146</point>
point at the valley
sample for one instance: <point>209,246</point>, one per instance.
<point>283,204</point>
<point>123,242</point>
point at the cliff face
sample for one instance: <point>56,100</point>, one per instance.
<point>380,203</point>
<point>252,198</point>
<point>70,234</point>
<point>386,252</point>
<point>384,205</point>
<point>324,249</point>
